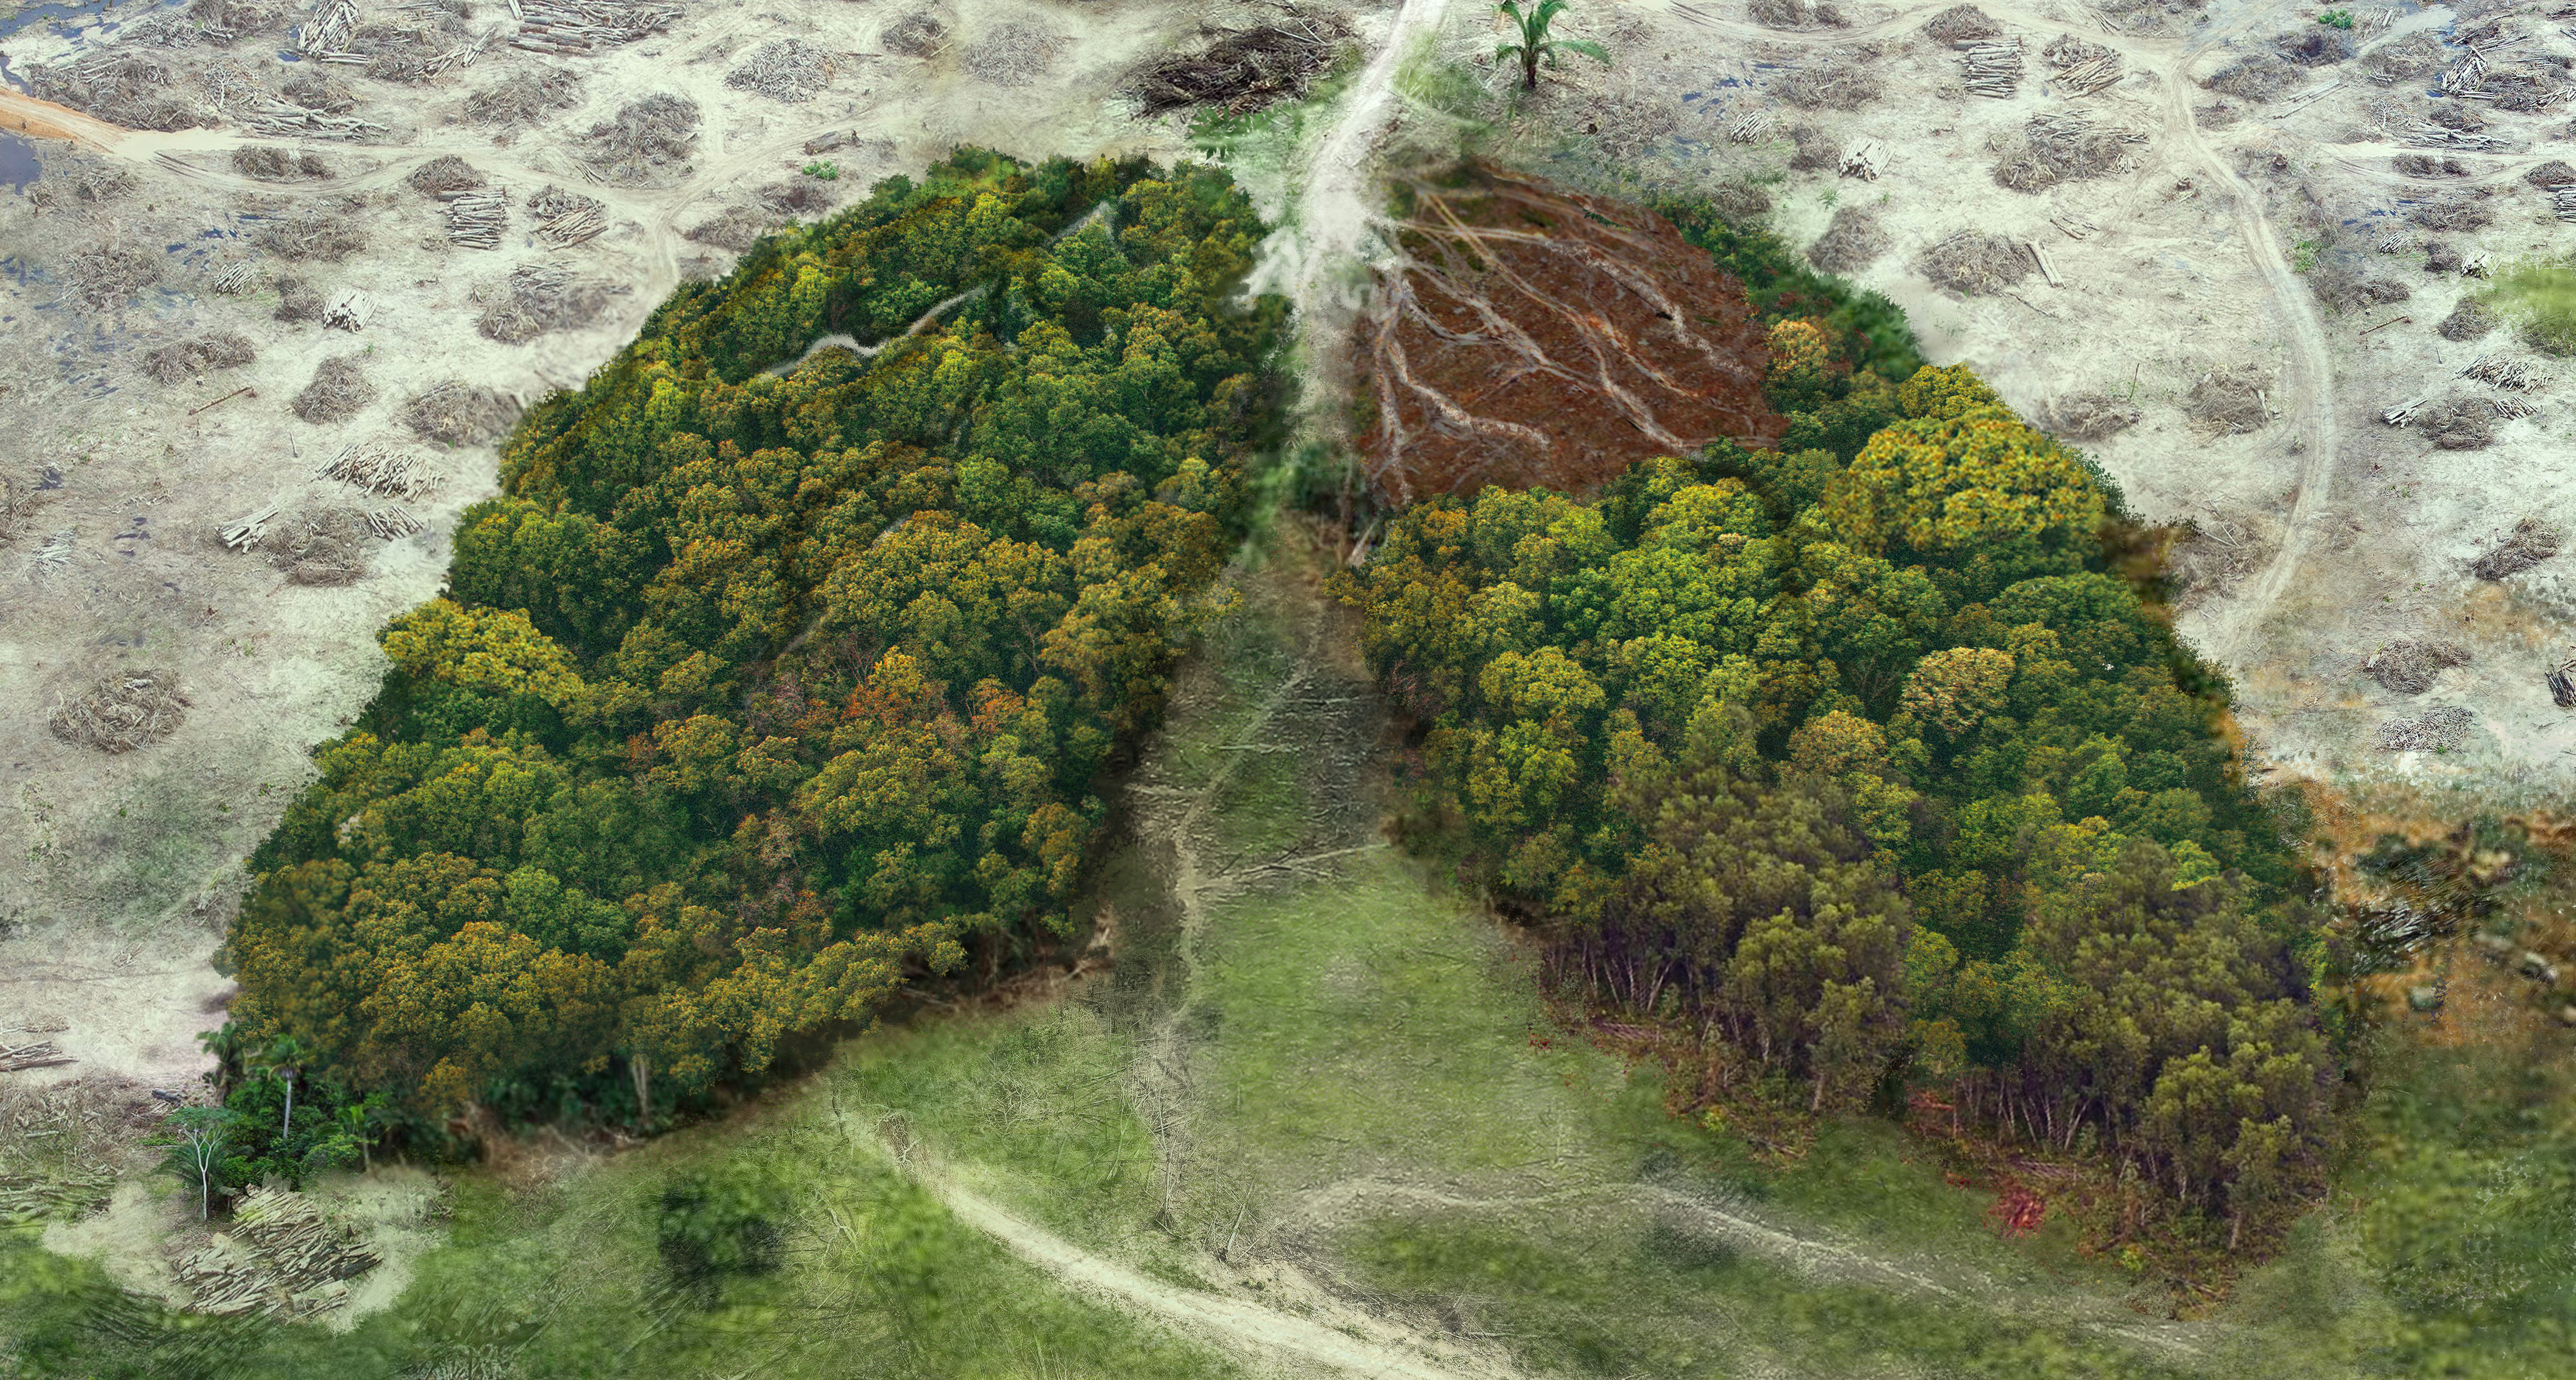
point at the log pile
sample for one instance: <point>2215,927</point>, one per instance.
<point>2404,412</point>
<point>283,1259</point>
<point>586,26</point>
<point>380,470</point>
<point>476,219</point>
<point>232,280</point>
<point>1864,161</point>
<point>1751,128</point>
<point>2073,226</point>
<point>2562,201</point>
<point>1993,68</point>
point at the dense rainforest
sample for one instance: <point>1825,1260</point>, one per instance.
<point>1861,758</point>
<point>758,690</point>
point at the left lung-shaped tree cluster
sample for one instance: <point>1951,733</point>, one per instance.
<point>755,691</point>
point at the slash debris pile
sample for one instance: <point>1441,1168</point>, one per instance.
<point>2230,401</point>
<point>326,233</point>
<point>269,163</point>
<point>648,142</point>
<point>915,36</point>
<point>2531,543</point>
<point>282,1259</point>
<point>1962,24</point>
<point>2470,320</point>
<point>1852,240</point>
<point>171,365</point>
<point>1974,264</point>
<point>325,548</point>
<point>2256,77</point>
<point>523,98</point>
<point>2435,730</point>
<point>110,275</point>
<point>297,300</point>
<point>1832,83</point>
<point>1012,55</point>
<point>123,88</point>
<point>790,70</point>
<point>1528,335</point>
<point>339,391</point>
<point>2091,416</point>
<point>458,415</point>
<point>2062,148</point>
<point>2408,667</point>
<point>2460,422</point>
<point>537,298</point>
<point>444,175</point>
<point>1245,70</point>
<point>123,711</point>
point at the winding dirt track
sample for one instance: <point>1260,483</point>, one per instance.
<point>1280,1337</point>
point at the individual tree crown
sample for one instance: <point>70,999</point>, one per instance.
<point>1536,45</point>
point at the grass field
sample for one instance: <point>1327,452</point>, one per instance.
<point>1320,1079</point>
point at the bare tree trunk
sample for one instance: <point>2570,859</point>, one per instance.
<point>639,1067</point>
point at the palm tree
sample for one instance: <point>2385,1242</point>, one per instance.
<point>282,1060</point>
<point>1535,44</point>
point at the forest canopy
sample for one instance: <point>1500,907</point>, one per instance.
<point>1859,755</point>
<point>757,690</point>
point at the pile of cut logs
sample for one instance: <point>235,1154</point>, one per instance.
<point>476,219</point>
<point>1994,66</point>
<point>282,1258</point>
<point>33,1054</point>
<point>585,26</point>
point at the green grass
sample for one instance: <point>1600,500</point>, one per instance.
<point>2542,296</point>
<point>873,1278</point>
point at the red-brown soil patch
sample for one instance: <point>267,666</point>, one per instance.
<point>1529,335</point>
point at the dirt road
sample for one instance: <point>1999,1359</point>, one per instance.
<point>1293,1344</point>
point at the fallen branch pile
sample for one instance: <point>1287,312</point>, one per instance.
<point>123,711</point>
<point>2531,542</point>
<point>565,219</point>
<point>2435,730</point>
<point>380,470</point>
<point>35,1054</point>
<point>1247,69</point>
<point>2503,371</point>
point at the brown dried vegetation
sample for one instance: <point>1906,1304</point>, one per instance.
<point>1534,336</point>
